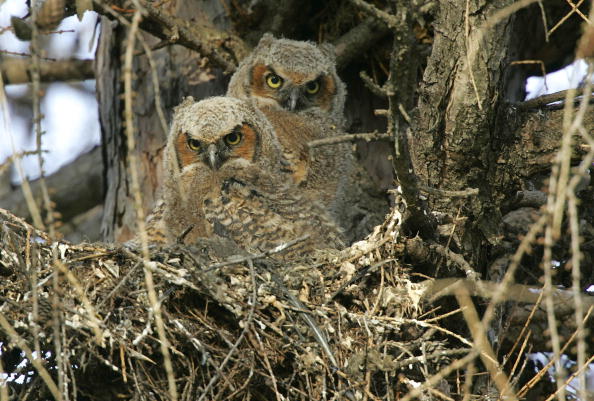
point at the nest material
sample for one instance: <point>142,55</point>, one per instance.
<point>331,326</point>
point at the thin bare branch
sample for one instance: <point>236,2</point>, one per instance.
<point>333,140</point>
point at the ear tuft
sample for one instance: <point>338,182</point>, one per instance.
<point>328,50</point>
<point>185,102</point>
<point>266,40</point>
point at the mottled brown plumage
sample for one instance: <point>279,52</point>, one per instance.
<point>295,84</point>
<point>225,176</point>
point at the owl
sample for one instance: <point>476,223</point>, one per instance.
<point>294,83</point>
<point>291,75</point>
<point>225,175</point>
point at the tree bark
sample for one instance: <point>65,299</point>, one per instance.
<point>454,140</point>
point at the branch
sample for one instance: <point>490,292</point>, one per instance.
<point>402,84</point>
<point>564,299</point>
<point>375,12</point>
<point>535,144</point>
<point>222,48</point>
<point>76,188</point>
<point>333,140</point>
<point>358,40</point>
<point>16,71</point>
<point>544,100</point>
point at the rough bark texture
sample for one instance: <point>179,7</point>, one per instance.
<point>110,110</point>
<point>454,141</point>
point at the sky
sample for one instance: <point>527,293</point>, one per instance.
<point>565,78</point>
<point>70,122</point>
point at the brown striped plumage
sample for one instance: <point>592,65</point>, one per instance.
<point>295,84</point>
<point>225,175</point>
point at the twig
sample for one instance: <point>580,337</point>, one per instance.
<point>34,69</point>
<point>306,316</point>
<point>2,51</point>
<point>26,188</point>
<point>94,322</point>
<point>246,327</point>
<point>482,344</point>
<point>544,100</point>
<point>425,357</point>
<point>372,136</point>
<point>448,193</point>
<point>376,89</point>
<point>525,328</point>
<point>404,114</point>
<point>558,190</point>
<point>459,260</point>
<point>119,285</point>
<point>545,369</point>
<point>576,255</point>
<point>435,289</point>
<point>579,371</point>
<point>516,259</point>
<point>541,63</point>
<point>58,335</point>
<point>436,378</point>
<point>180,238</point>
<point>360,274</point>
<point>562,20</point>
<point>370,9</point>
<point>240,259</point>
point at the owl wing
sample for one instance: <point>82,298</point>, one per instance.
<point>261,220</point>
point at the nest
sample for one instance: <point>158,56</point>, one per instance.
<point>79,321</point>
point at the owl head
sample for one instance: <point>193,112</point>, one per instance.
<point>293,75</point>
<point>219,139</point>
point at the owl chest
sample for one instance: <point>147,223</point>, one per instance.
<point>239,214</point>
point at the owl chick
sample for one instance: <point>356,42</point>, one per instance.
<point>291,75</point>
<point>294,83</point>
<point>225,175</point>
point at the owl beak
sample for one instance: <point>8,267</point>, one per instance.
<point>213,156</point>
<point>293,98</point>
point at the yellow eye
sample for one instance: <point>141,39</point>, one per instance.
<point>233,138</point>
<point>274,81</point>
<point>194,144</point>
<point>312,87</point>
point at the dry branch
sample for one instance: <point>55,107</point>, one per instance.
<point>333,140</point>
<point>564,299</point>
<point>358,40</point>
<point>16,71</point>
<point>545,100</point>
<point>75,188</point>
<point>536,142</point>
<point>222,48</point>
